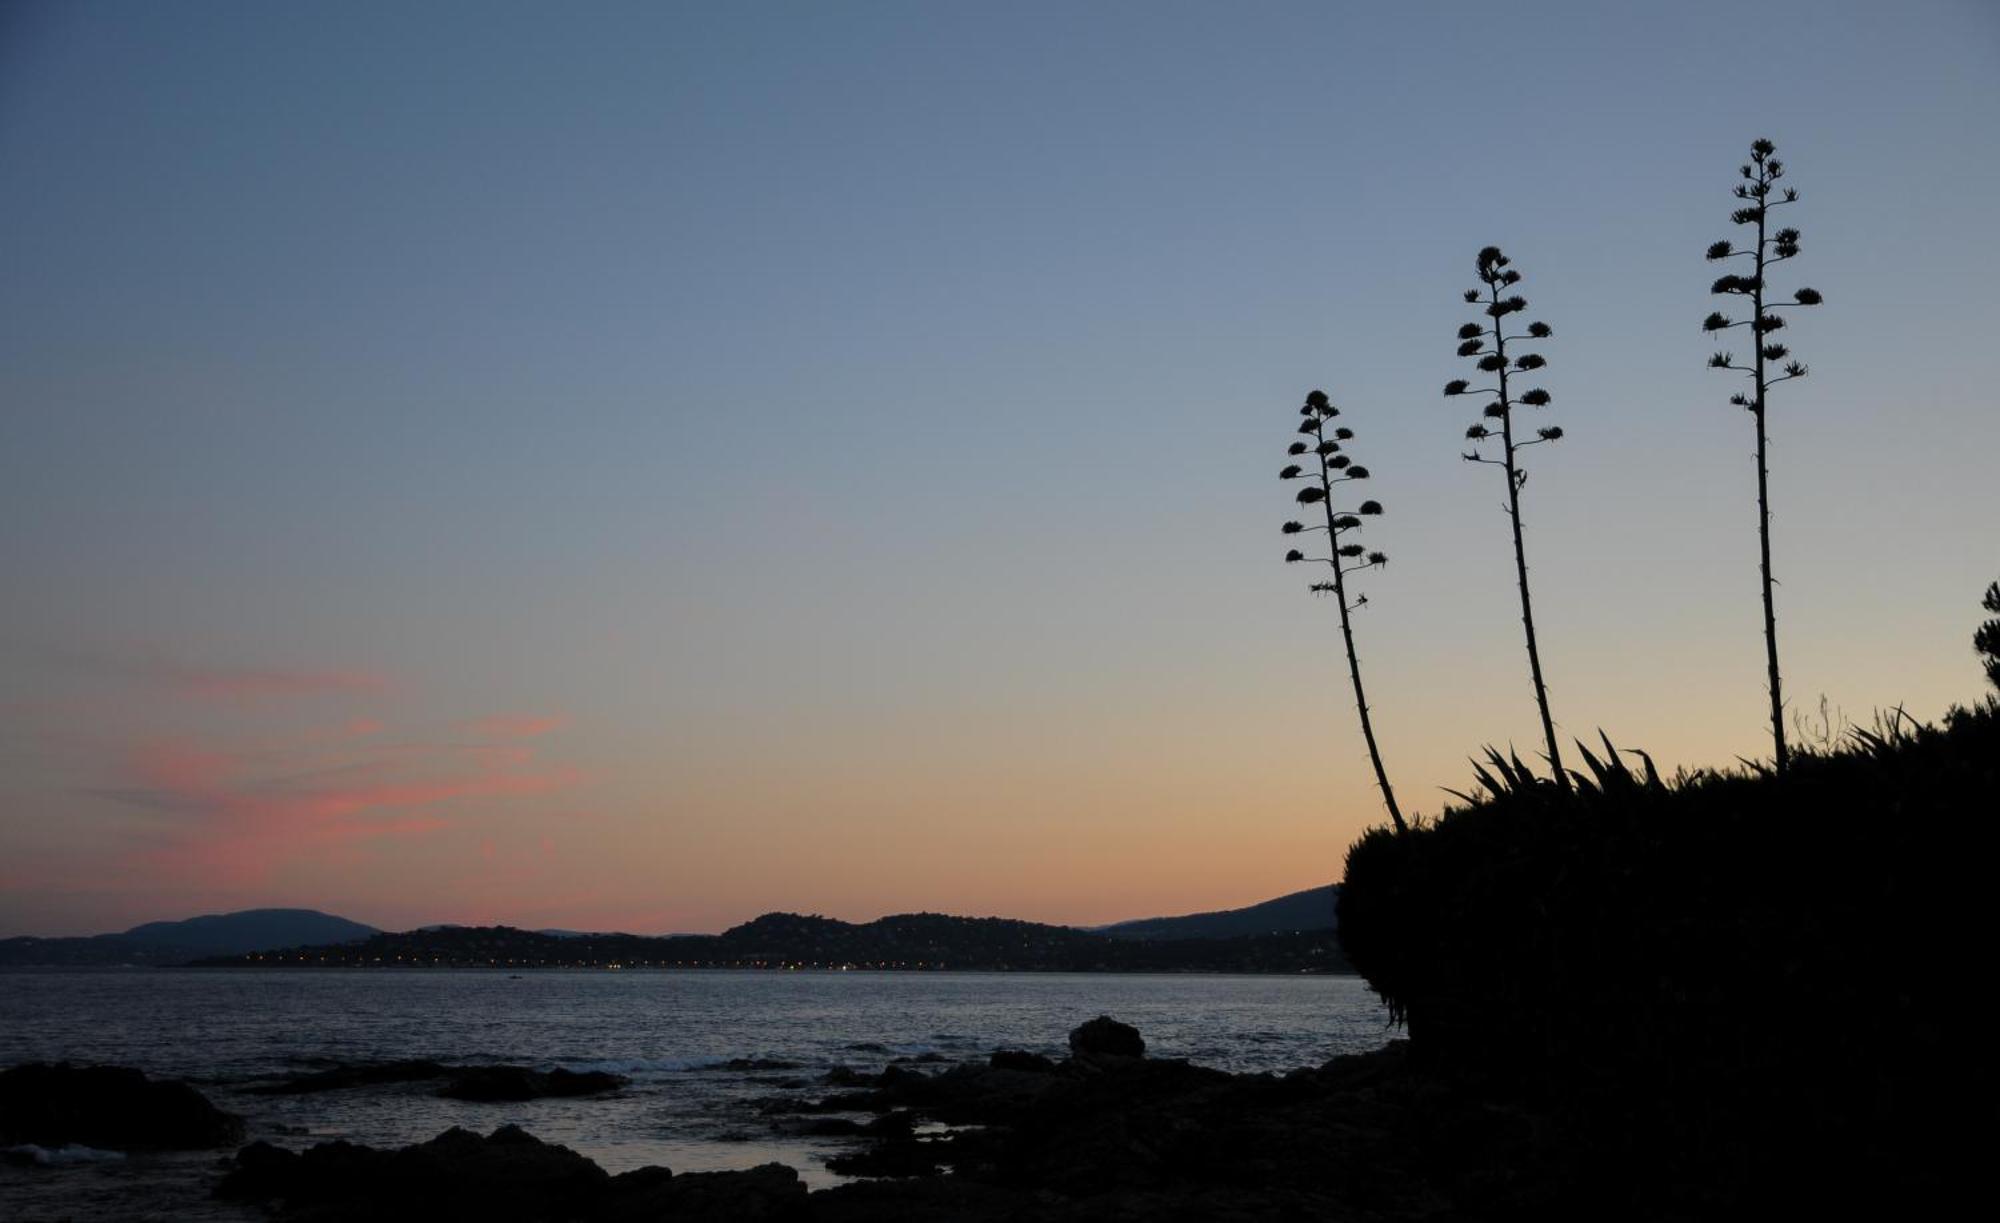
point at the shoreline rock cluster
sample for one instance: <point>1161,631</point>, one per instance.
<point>1104,1134</point>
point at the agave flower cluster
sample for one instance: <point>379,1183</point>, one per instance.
<point>1485,344</point>
<point>1760,194</point>
<point>1322,465</point>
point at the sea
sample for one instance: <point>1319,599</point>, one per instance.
<point>708,1053</point>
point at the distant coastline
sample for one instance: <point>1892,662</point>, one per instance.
<point>921,942</point>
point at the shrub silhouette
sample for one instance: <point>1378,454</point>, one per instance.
<point>1760,176</point>
<point>1331,468</point>
<point>1987,639</point>
<point>1731,981</point>
<point>1497,423</point>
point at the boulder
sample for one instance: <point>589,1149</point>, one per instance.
<point>1018,1059</point>
<point>109,1108</point>
<point>768,1193</point>
<point>507,1176</point>
<point>367,1074</point>
<point>1105,1036</point>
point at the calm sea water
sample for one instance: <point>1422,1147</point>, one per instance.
<point>670,1032</point>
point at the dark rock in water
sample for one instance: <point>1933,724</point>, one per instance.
<point>759,1063</point>
<point>1017,1059</point>
<point>370,1074</point>
<point>896,1157</point>
<point>509,1175</point>
<point>768,1193</point>
<point>1105,1035</point>
<point>516,1083</point>
<point>888,1125</point>
<point>110,1108</point>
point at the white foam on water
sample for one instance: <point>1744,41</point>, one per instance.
<point>70,1154</point>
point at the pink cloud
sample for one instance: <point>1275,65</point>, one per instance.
<point>518,725</point>
<point>233,828</point>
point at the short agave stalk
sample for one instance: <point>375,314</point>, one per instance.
<point>1324,469</point>
<point>1759,195</point>
<point>1486,344</point>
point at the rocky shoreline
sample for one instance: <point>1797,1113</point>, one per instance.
<point>1104,1133</point>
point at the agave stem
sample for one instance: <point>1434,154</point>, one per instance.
<point>1353,660</point>
<point>1782,757</point>
<point>1521,553</point>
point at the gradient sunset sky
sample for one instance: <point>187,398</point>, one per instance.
<point>639,466</point>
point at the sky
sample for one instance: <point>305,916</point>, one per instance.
<point>640,466</point>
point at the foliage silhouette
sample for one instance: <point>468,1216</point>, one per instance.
<point>1334,468</point>
<point>1987,639</point>
<point>1760,175</point>
<point>1495,276</point>
<point>1731,981</point>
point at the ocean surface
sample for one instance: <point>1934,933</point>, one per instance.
<point>672,1033</point>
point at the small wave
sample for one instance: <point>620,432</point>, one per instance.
<point>644,1065</point>
<point>50,1156</point>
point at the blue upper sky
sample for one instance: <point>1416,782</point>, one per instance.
<point>846,434</point>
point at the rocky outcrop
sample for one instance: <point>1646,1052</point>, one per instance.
<point>516,1083</point>
<point>1104,1036</point>
<point>367,1074</point>
<point>108,1108</point>
<point>509,1176</point>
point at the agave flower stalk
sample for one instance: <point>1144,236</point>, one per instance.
<point>1330,468</point>
<point>1760,194</point>
<point>1486,345</point>
<point>1986,641</point>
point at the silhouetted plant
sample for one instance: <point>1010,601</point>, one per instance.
<point>1987,639</point>
<point>1760,176</point>
<point>1486,345</point>
<point>1334,468</point>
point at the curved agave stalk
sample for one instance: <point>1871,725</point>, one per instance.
<point>1343,558</point>
<point>1495,275</point>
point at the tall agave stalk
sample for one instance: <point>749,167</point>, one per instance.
<point>1331,468</point>
<point>1760,176</point>
<point>1486,344</point>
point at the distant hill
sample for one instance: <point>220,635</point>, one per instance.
<point>250,930</point>
<point>177,942</point>
<point>1310,910</point>
<point>791,940</point>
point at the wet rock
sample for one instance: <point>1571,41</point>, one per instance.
<point>371,1074</point>
<point>1105,1035</point>
<point>758,1063</point>
<point>108,1108</point>
<point>768,1193</point>
<point>506,1176</point>
<point>516,1083</point>
<point>1018,1059</point>
<point>896,1157</point>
